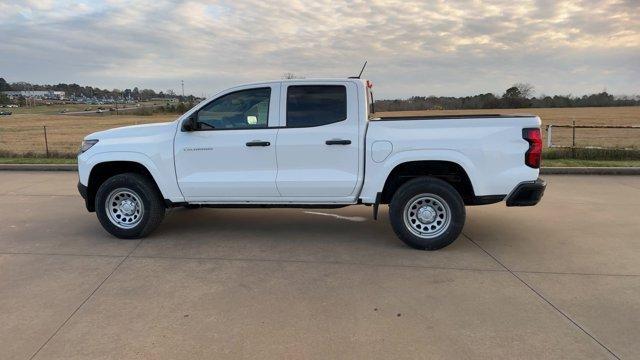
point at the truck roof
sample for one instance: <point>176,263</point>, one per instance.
<point>301,80</point>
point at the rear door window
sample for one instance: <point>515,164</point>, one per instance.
<point>316,105</point>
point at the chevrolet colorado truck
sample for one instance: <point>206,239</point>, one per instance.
<point>312,144</point>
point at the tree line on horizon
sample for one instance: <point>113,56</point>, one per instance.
<point>79,91</point>
<point>517,96</point>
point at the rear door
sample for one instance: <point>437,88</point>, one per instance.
<point>317,145</point>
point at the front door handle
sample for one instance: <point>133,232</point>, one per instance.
<point>258,143</point>
<point>337,142</point>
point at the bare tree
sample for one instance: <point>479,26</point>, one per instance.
<point>526,90</point>
<point>290,75</point>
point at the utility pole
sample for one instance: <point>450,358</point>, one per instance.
<point>182,83</point>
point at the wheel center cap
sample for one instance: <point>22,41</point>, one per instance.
<point>426,214</point>
<point>127,207</point>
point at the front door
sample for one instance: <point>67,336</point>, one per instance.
<point>231,155</point>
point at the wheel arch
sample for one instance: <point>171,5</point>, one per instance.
<point>449,171</point>
<point>102,171</point>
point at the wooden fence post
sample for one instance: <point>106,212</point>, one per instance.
<point>46,142</point>
<point>573,143</point>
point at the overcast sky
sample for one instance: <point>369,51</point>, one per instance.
<point>413,47</point>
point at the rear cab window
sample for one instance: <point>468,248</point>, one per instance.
<point>315,105</point>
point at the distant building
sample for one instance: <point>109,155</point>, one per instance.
<point>37,94</point>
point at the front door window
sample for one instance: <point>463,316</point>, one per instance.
<point>245,109</point>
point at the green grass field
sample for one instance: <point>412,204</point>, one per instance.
<point>35,160</point>
<point>589,163</point>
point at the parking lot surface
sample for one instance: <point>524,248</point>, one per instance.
<point>559,280</point>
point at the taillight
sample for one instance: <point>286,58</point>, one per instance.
<point>533,155</point>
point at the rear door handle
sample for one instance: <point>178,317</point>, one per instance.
<point>337,142</point>
<point>258,143</point>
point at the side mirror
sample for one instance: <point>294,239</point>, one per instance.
<point>191,124</point>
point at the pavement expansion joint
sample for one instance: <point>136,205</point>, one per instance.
<point>543,298</point>
<point>85,301</point>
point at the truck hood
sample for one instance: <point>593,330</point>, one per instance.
<point>133,131</point>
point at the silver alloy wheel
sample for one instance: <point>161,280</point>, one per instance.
<point>427,215</point>
<point>124,208</point>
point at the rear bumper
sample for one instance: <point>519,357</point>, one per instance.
<point>527,193</point>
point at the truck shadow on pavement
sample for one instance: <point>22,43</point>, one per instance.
<point>276,224</point>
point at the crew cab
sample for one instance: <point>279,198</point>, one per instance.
<point>312,143</point>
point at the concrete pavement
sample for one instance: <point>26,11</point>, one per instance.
<point>560,280</point>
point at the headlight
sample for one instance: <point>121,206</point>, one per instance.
<point>87,144</point>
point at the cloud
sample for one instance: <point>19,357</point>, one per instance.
<point>413,47</point>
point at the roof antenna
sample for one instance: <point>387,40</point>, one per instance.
<point>361,71</point>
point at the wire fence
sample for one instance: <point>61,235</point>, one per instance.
<point>56,139</point>
<point>602,136</point>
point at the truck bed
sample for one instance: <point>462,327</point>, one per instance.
<point>490,148</point>
<point>441,117</point>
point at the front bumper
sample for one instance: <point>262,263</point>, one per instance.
<point>84,193</point>
<point>527,193</point>
<point>82,190</point>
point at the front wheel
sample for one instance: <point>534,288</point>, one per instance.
<point>427,213</point>
<point>129,206</point>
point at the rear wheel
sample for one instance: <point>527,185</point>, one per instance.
<point>427,213</point>
<point>129,206</point>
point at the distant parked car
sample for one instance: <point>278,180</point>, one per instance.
<point>5,112</point>
<point>87,109</point>
<point>99,111</point>
<point>64,111</point>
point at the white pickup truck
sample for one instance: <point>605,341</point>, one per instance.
<point>312,143</point>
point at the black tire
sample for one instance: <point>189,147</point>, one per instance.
<point>413,189</point>
<point>145,189</point>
